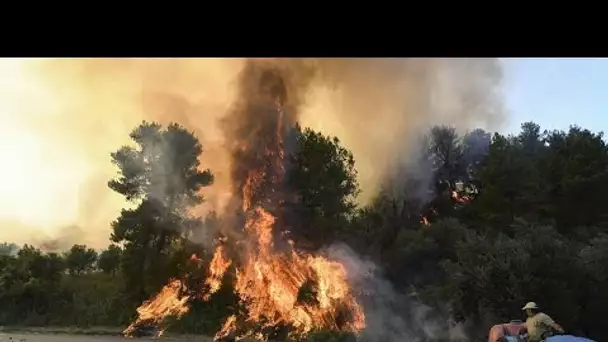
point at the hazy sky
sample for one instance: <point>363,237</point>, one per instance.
<point>556,93</point>
<point>61,119</point>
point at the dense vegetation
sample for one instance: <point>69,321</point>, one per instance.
<point>508,219</point>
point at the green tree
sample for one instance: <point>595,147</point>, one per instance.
<point>593,259</point>
<point>33,285</point>
<point>491,277</point>
<point>323,177</point>
<point>416,257</point>
<point>37,265</point>
<point>7,248</point>
<point>504,182</point>
<point>447,156</point>
<point>109,259</point>
<point>376,227</point>
<point>576,169</point>
<point>162,175</point>
<point>80,259</point>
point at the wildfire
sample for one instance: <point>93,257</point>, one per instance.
<point>167,302</point>
<point>270,283</point>
<point>195,258</point>
<point>218,266</point>
<point>424,221</point>
<point>228,326</point>
<point>460,199</point>
<point>277,286</point>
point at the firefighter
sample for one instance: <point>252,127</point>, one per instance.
<point>539,324</point>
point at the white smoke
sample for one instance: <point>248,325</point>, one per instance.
<point>392,316</point>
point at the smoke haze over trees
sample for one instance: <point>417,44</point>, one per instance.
<point>377,107</point>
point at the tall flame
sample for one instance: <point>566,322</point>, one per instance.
<point>218,266</point>
<point>270,282</point>
<point>277,285</point>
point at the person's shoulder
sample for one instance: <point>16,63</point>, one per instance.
<point>544,317</point>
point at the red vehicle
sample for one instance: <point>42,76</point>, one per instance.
<point>507,331</point>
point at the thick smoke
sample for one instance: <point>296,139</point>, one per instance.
<point>380,107</point>
<point>391,316</point>
<point>262,114</point>
<point>78,111</point>
<point>259,128</point>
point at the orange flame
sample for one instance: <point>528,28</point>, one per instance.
<point>424,221</point>
<point>270,283</point>
<point>218,266</point>
<point>227,328</point>
<point>195,258</point>
<point>167,302</point>
<point>298,290</point>
<point>460,199</point>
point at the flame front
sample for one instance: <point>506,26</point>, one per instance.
<point>425,221</point>
<point>277,285</point>
<point>218,266</point>
<point>167,302</point>
<point>460,199</point>
<point>271,284</point>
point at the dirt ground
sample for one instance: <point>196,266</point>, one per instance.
<point>22,337</point>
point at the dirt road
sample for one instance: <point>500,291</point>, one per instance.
<point>10,337</point>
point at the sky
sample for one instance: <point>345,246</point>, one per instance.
<point>557,93</point>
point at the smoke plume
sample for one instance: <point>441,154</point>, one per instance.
<point>71,114</point>
<point>391,316</point>
<point>255,127</point>
<point>379,108</point>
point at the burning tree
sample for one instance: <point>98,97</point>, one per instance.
<point>278,286</point>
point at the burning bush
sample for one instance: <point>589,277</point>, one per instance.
<point>282,291</point>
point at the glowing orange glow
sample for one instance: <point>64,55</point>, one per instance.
<point>460,199</point>
<point>227,327</point>
<point>269,282</point>
<point>167,302</point>
<point>425,221</point>
<point>195,258</point>
<point>218,266</point>
<point>300,290</point>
